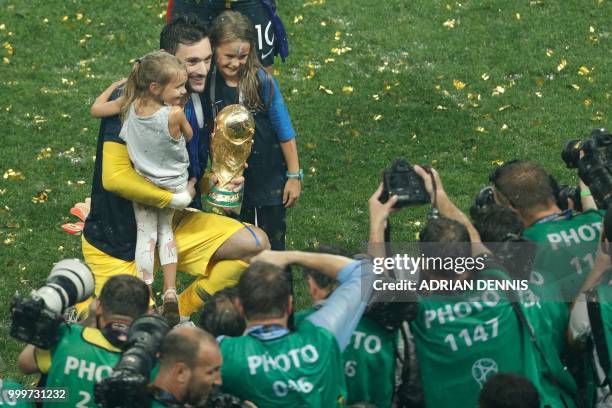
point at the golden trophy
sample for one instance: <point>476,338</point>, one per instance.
<point>230,147</point>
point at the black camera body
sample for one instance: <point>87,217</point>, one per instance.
<point>33,323</point>
<point>484,198</point>
<point>571,193</point>
<point>401,180</point>
<point>126,386</point>
<point>595,167</point>
<point>218,399</point>
<point>36,319</point>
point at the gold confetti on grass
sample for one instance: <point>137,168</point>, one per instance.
<point>44,153</point>
<point>458,84</point>
<point>576,87</point>
<point>376,97</point>
<point>562,65</point>
<point>41,196</point>
<point>377,118</point>
<point>341,50</point>
<point>11,174</point>
<point>314,3</point>
<point>598,116</point>
<point>298,19</point>
<point>311,71</point>
<point>498,90</point>
<point>485,76</point>
<point>328,60</point>
<point>517,16</point>
<point>9,48</point>
<point>347,89</point>
<point>503,108</point>
<point>450,23</point>
<point>583,71</point>
<point>587,102</point>
<point>549,52</point>
<point>326,90</point>
<point>504,127</point>
<point>481,129</point>
<point>337,36</point>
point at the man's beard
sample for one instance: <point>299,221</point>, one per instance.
<point>190,88</point>
<point>194,397</point>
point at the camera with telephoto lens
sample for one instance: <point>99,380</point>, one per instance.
<point>595,167</point>
<point>36,319</point>
<point>126,386</point>
<point>401,180</point>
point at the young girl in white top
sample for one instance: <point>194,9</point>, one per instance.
<point>155,130</point>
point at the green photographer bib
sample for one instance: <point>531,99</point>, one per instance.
<point>565,253</point>
<point>300,369</point>
<point>81,357</point>
<point>600,316</point>
<point>464,339</point>
<point>369,362</point>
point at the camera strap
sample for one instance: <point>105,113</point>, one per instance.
<point>499,274</point>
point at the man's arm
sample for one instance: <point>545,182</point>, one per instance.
<point>119,177</point>
<point>448,209</point>
<point>27,360</point>
<point>344,308</point>
<point>379,214</point>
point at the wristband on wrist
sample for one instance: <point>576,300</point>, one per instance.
<point>585,193</point>
<point>298,175</point>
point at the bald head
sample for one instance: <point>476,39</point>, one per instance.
<point>183,344</point>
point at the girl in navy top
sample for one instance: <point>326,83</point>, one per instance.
<point>273,176</point>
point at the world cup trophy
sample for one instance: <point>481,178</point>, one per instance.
<point>230,147</point>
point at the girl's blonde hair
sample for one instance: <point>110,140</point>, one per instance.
<point>159,67</point>
<point>232,26</point>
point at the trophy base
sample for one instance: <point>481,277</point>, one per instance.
<point>223,198</point>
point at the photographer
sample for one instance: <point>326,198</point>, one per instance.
<point>590,323</point>
<point>84,355</point>
<point>273,366</point>
<point>563,263</point>
<point>370,358</point>
<point>567,242</point>
<point>220,316</point>
<point>463,336</point>
<point>190,364</point>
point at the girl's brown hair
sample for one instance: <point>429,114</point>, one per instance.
<point>232,26</point>
<point>158,66</point>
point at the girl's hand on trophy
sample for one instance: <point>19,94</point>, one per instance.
<point>291,194</point>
